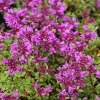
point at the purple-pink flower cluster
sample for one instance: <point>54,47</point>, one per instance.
<point>41,90</point>
<point>12,96</point>
<point>98,3</point>
<point>4,4</point>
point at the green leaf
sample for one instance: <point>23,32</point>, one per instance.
<point>22,74</point>
<point>98,66</point>
<point>98,88</point>
<point>97,60</point>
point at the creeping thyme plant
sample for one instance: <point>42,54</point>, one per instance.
<point>43,53</point>
<point>87,12</point>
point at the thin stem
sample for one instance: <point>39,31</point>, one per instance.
<point>41,97</point>
<point>27,61</point>
<point>92,83</point>
<point>18,4</point>
<point>2,55</point>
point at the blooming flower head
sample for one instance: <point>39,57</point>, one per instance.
<point>98,3</point>
<point>61,95</point>
<point>71,89</point>
<point>98,74</point>
<point>48,89</point>
<point>35,85</point>
<point>97,98</point>
<point>84,14</point>
<point>16,94</point>
<point>82,58</point>
<point>12,65</point>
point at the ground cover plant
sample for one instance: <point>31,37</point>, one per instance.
<point>87,12</point>
<point>47,53</point>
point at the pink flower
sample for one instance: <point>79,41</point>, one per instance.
<point>58,76</point>
<point>71,89</point>
<point>35,85</point>
<point>85,27</point>
<point>83,74</point>
<point>62,95</point>
<point>48,89</point>
<point>4,61</point>
<point>16,94</point>
<point>11,71</point>
<point>1,46</point>
<point>84,14</point>
<point>98,74</point>
<point>22,59</point>
<point>97,98</point>
<point>98,3</point>
<point>19,69</point>
<point>41,91</point>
